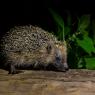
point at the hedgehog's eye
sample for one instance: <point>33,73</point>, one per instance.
<point>49,47</point>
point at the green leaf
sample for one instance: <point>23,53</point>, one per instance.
<point>59,21</point>
<point>60,34</point>
<point>67,29</point>
<point>90,63</point>
<point>83,24</point>
<point>87,44</point>
<point>57,18</point>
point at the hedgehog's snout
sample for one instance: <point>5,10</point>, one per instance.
<point>59,64</point>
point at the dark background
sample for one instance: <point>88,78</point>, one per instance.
<point>36,12</point>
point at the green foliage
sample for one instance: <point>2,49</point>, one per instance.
<point>90,63</point>
<point>81,50</point>
<point>87,44</point>
<point>57,18</point>
<point>93,29</point>
<point>83,24</point>
<point>60,23</point>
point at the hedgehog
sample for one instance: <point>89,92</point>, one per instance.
<point>31,47</point>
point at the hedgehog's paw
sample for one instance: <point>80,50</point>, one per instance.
<point>16,72</point>
<point>12,69</point>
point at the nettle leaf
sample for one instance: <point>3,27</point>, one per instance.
<point>87,44</point>
<point>60,33</point>
<point>60,22</point>
<point>67,29</point>
<point>83,24</point>
<point>57,18</point>
<point>90,63</point>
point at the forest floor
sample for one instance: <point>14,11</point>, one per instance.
<point>73,82</point>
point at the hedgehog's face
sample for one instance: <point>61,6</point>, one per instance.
<point>60,57</point>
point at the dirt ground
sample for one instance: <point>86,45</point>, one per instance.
<point>73,82</point>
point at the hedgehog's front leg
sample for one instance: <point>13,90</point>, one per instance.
<point>12,69</point>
